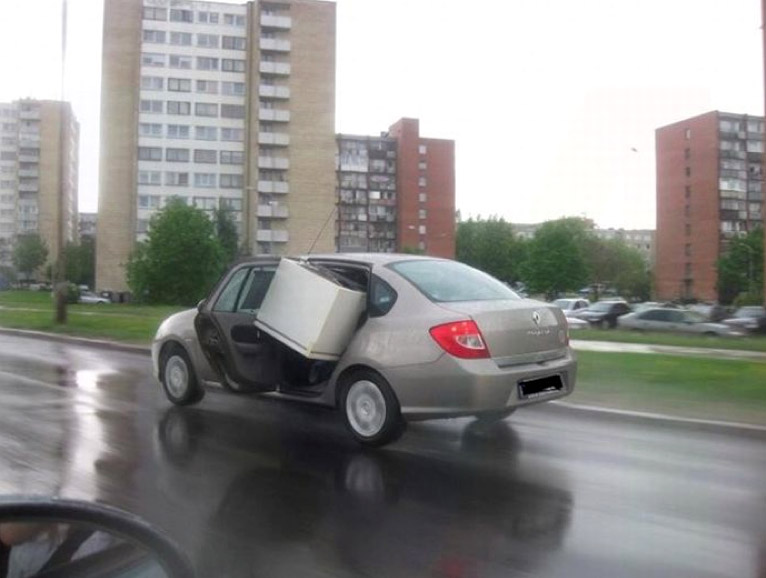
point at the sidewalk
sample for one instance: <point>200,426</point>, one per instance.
<point>611,347</point>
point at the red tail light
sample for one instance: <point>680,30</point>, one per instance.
<point>461,339</point>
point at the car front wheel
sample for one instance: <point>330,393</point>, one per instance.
<point>178,378</point>
<point>370,409</point>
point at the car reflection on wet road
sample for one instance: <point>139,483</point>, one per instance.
<point>250,486</point>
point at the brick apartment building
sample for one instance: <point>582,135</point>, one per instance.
<point>709,190</point>
<point>223,105</point>
<point>396,192</point>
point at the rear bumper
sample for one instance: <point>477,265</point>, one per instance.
<point>452,387</point>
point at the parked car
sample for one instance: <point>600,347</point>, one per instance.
<point>751,318</point>
<point>604,313</point>
<point>637,307</point>
<point>575,323</point>
<point>569,305</point>
<point>436,339</point>
<point>677,320</point>
<point>91,298</point>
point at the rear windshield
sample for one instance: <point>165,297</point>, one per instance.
<point>450,281</point>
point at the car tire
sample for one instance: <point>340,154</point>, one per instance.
<point>488,417</point>
<point>370,409</point>
<point>179,381</point>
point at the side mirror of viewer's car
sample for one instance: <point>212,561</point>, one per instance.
<point>200,305</point>
<point>52,538</point>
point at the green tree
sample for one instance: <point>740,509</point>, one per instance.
<point>30,254</point>
<point>740,270</point>
<point>180,260</point>
<point>226,231</point>
<point>615,264</point>
<point>491,246</point>
<point>556,258</point>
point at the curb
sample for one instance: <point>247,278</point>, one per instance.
<point>695,424</point>
<point>83,341</point>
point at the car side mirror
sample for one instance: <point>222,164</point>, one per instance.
<point>85,539</point>
<point>200,305</point>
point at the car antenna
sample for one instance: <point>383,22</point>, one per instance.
<point>316,240</point>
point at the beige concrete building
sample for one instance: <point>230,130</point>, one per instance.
<point>39,143</point>
<point>226,106</point>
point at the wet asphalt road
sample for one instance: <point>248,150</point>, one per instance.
<point>254,487</point>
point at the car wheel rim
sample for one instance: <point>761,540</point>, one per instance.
<point>176,376</point>
<point>365,408</point>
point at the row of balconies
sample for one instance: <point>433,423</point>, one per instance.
<point>274,138</point>
<point>274,115</point>
<point>273,91</point>
<point>273,210</point>
<point>275,44</point>
<point>278,68</point>
<point>272,236</point>
<point>276,21</point>
<point>281,163</point>
<point>274,187</point>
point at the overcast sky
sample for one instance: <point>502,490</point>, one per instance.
<point>552,103</point>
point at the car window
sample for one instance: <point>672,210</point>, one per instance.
<point>676,316</point>
<point>228,297</point>
<point>450,281</point>
<point>651,315</point>
<point>256,286</point>
<point>382,297</point>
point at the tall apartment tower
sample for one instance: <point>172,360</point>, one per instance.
<point>227,106</point>
<point>709,190</point>
<point>39,143</point>
<point>396,192</point>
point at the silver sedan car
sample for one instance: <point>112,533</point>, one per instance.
<point>676,320</point>
<point>437,339</point>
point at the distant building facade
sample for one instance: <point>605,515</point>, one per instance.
<point>88,225</point>
<point>642,240</point>
<point>396,192</point>
<point>709,190</point>
<point>226,106</point>
<point>39,144</point>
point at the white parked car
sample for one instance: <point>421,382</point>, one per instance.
<point>88,297</point>
<point>677,320</point>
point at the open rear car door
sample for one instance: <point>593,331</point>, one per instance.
<point>245,358</point>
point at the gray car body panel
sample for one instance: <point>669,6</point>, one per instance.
<point>428,382</point>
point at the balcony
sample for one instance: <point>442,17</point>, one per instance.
<point>279,68</point>
<point>275,45</point>
<point>277,187</point>
<point>272,236</point>
<point>274,21</point>
<point>30,114</point>
<point>274,138</point>
<point>273,163</point>
<point>25,143</point>
<point>274,115</point>
<point>274,211</point>
<point>273,91</point>
<point>29,187</point>
<point>33,173</point>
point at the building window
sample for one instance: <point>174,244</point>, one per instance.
<point>207,40</point>
<point>177,155</point>
<point>422,197</point>
<point>688,229</point>
<point>205,156</point>
<point>688,134</point>
<point>688,250</point>
<point>688,191</point>
<point>181,38</point>
<point>422,181</point>
<point>232,134</point>
<point>204,180</point>
<point>688,171</point>
<point>206,109</point>
<point>182,62</point>
<point>233,20</point>
<point>233,88</point>
<point>173,179</point>
<point>421,213</point>
<point>234,42</point>
<point>687,154</point>
<point>232,65</point>
<point>154,36</point>
<point>150,129</point>
<point>231,204</point>
<point>207,86</point>
<point>232,181</point>
<point>206,132</point>
<point>151,178</point>
<point>149,153</point>
<point>422,149</point>
<point>232,111</point>
<point>207,17</point>
<point>422,229</point>
<point>687,211</point>
<point>152,83</point>
<point>179,85</point>
<point>178,131</point>
<point>232,158</point>
<point>177,15</point>
<point>155,13</point>
<point>206,63</point>
<point>148,201</point>
<point>422,165</point>
<point>152,59</point>
<point>178,107</point>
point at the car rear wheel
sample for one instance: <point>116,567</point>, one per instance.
<point>370,409</point>
<point>178,378</point>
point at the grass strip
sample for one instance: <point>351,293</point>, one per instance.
<point>749,343</point>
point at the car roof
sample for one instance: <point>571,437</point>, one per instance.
<point>379,259</point>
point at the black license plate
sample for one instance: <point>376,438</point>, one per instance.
<point>532,388</point>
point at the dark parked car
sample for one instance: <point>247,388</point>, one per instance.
<point>751,318</point>
<point>604,313</point>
